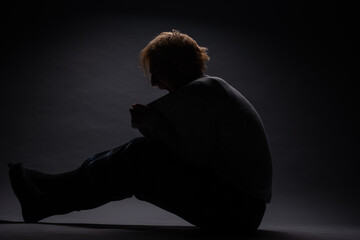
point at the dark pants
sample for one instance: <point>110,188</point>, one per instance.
<point>146,170</point>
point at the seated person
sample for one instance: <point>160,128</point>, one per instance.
<point>203,156</point>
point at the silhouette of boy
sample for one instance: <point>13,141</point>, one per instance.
<point>204,155</point>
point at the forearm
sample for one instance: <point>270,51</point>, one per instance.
<point>162,131</point>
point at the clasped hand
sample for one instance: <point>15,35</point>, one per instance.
<point>141,115</point>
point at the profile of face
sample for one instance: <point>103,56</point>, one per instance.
<point>160,78</point>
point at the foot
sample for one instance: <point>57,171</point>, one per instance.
<point>32,200</point>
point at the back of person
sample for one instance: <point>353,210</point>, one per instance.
<point>223,132</point>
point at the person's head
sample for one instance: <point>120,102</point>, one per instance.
<point>173,59</point>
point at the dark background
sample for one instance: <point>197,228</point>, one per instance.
<point>69,72</point>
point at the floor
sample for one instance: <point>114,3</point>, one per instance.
<point>132,219</point>
<point>17,230</point>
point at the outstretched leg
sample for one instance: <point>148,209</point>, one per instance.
<point>145,169</point>
<point>102,178</point>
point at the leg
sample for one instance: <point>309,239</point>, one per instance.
<point>143,168</point>
<point>194,194</point>
<point>102,178</point>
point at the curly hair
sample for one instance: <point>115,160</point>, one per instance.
<point>175,53</point>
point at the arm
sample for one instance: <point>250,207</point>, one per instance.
<point>153,124</point>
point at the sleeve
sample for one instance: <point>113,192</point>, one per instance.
<point>164,132</point>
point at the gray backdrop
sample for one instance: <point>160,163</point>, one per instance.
<point>69,72</point>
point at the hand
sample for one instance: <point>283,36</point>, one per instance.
<point>140,115</point>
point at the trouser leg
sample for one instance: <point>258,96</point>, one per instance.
<point>195,194</point>
<point>167,182</point>
<point>143,168</point>
<point>102,178</point>
<point>107,176</point>
<point>203,201</point>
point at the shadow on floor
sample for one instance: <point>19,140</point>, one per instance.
<point>58,231</point>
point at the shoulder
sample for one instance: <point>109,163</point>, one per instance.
<point>206,85</point>
<point>206,80</point>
